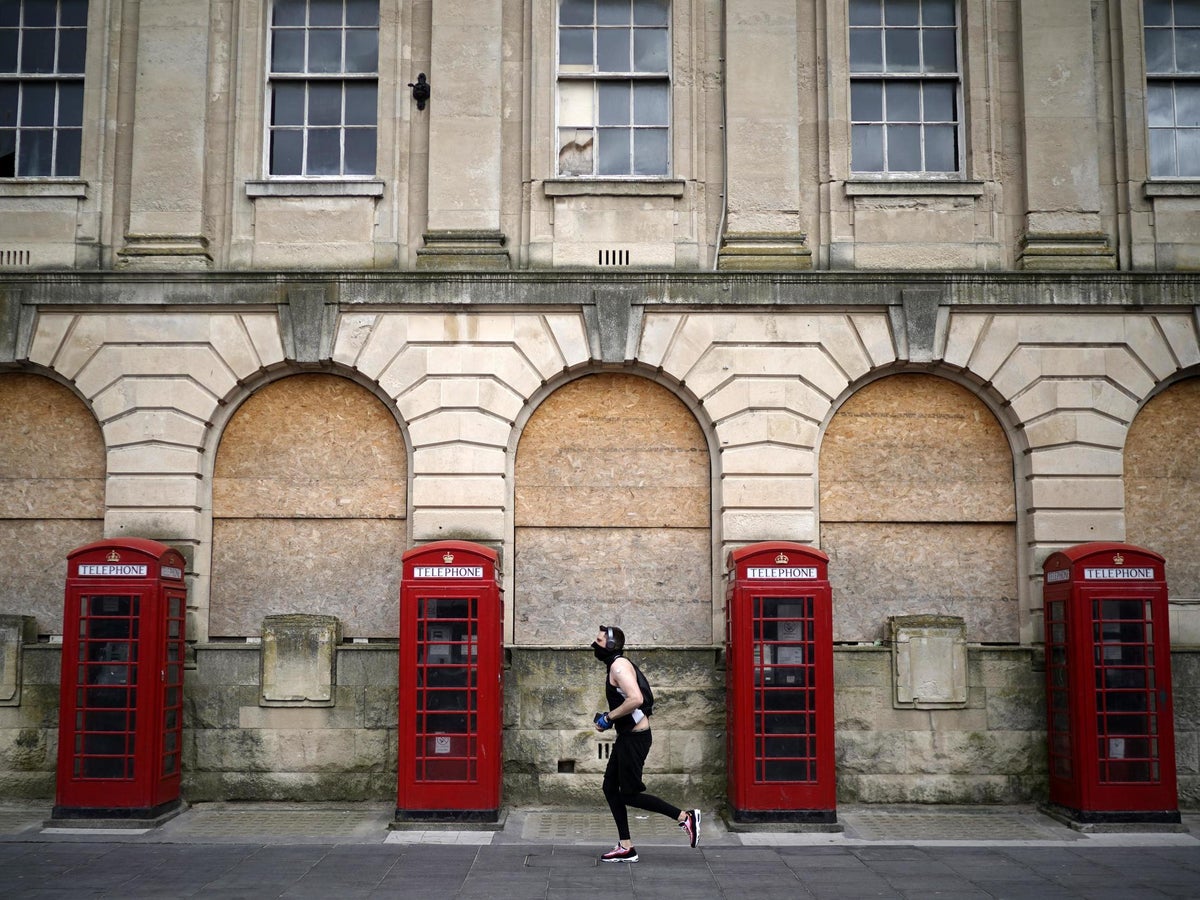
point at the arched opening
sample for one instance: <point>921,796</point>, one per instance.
<point>613,516</point>
<point>918,510</point>
<point>310,498</point>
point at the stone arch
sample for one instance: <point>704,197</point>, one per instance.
<point>1162,483</point>
<point>310,508</point>
<point>917,504</point>
<point>613,516</point>
<point>52,468</point>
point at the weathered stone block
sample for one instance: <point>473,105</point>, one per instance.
<point>299,653</point>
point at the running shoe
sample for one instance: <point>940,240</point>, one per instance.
<point>620,854</point>
<point>691,825</point>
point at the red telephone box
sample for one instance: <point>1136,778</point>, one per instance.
<point>121,710</point>
<point>779,684</point>
<point>1108,685</point>
<point>451,689</point>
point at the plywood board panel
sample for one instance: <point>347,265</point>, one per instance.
<point>34,577</point>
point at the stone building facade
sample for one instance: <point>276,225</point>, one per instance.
<point>641,282</point>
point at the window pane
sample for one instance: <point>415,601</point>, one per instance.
<point>612,12</point>
<point>1158,51</point>
<point>866,50</point>
<point>1187,12</point>
<point>575,147</point>
<point>1160,104</point>
<point>612,50</point>
<point>614,103</point>
<point>650,50</point>
<point>940,53</point>
<point>904,102</point>
<point>66,157</point>
<point>614,151</point>
<point>287,105</point>
<point>70,103</point>
<point>1187,104</point>
<point>903,50</point>
<point>10,13</point>
<point>8,50</point>
<point>72,50</point>
<point>324,103</point>
<point>575,48</point>
<point>324,50</point>
<point>37,103</point>
<point>362,12</point>
<point>937,12</point>
<point>8,104</point>
<point>866,148</point>
<point>865,12</point>
<point>651,12</point>
<point>1187,49</point>
<point>650,151</point>
<point>37,51</point>
<point>1188,147</point>
<point>866,101</point>
<point>941,150</point>
<point>576,104</point>
<point>8,152</point>
<point>939,102</point>
<point>361,104</point>
<point>325,12</point>
<point>288,12</point>
<point>650,104</point>
<point>324,152</point>
<point>360,151</point>
<point>287,51</point>
<point>40,14</point>
<point>1157,12</point>
<point>900,12</point>
<point>362,51</point>
<point>904,148</point>
<point>575,12</point>
<point>1162,152</point>
<point>36,146</point>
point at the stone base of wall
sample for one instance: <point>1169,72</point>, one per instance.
<point>990,751</point>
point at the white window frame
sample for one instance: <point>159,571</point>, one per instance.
<point>883,77</point>
<point>596,77</point>
<point>57,80</point>
<point>1161,80</point>
<point>309,79</point>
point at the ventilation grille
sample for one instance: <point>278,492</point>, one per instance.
<point>11,258</point>
<point>612,257</point>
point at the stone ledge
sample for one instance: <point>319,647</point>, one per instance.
<point>614,187</point>
<point>913,188</point>
<point>44,187</point>
<point>306,188</point>
<point>1181,188</point>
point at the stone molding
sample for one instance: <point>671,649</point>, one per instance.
<point>463,249</point>
<point>764,250</point>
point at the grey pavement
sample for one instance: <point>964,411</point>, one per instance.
<point>231,850</point>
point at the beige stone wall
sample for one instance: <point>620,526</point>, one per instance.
<point>612,515</point>
<point>51,493</point>
<point>1162,483</point>
<point>310,495</point>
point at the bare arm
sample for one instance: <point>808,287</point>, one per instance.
<point>622,675</point>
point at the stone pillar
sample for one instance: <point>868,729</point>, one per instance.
<point>465,112</point>
<point>764,228</point>
<point>1063,229</point>
<point>166,182</point>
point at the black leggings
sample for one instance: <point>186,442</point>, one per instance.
<point>623,785</point>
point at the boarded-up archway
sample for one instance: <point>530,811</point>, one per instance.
<point>309,505</point>
<point>918,510</point>
<point>51,492</point>
<point>1162,483</point>
<point>613,516</point>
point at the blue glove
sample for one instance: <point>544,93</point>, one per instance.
<point>603,722</point>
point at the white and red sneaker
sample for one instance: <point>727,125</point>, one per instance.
<point>620,854</point>
<point>691,826</point>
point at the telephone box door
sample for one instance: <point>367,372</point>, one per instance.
<point>451,627</point>
<point>779,670</point>
<point>1108,684</point>
<point>121,709</point>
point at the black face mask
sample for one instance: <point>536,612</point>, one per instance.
<point>604,654</point>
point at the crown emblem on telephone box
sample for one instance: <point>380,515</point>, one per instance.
<point>113,556</point>
<point>782,559</point>
<point>448,557</point>
<point>1118,559</point>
